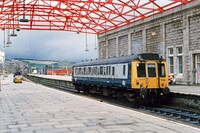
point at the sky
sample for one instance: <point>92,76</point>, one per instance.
<point>50,45</point>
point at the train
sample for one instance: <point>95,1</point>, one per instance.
<point>59,72</point>
<point>143,76</point>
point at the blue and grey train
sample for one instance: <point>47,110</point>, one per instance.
<point>131,76</point>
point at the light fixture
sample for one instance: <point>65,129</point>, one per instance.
<point>105,45</point>
<point>153,33</point>
<point>8,43</point>
<point>17,28</point>
<point>24,19</point>
<point>13,33</point>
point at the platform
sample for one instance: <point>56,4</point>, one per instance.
<point>33,108</point>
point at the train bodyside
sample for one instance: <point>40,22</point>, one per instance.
<point>143,74</point>
<point>104,73</point>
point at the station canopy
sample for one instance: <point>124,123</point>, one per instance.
<point>90,16</point>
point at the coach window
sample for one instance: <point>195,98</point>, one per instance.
<point>98,70</point>
<point>101,70</point>
<point>89,70</point>
<point>104,70</point>
<point>76,71</point>
<point>113,71</point>
<point>124,70</point>
<point>92,71</point>
<point>95,70</point>
<point>79,71</point>
<point>141,70</point>
<point>109,70</point>
<point>82,71</point>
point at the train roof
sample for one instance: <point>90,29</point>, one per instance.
<point>122,59</point>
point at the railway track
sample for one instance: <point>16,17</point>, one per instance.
<point>183,115</point>
<point>173,113</point>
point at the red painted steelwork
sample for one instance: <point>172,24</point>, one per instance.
<point>91,16</point>
<point>60,72</point>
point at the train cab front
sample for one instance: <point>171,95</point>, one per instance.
<point>149,77</point>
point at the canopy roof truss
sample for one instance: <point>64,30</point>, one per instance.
<point>91,16</point>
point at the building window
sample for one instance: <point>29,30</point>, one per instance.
<point>179,50</point>
<point>171,60</point>
<point>170,50</point>
<point>180,59</point>
<point>171,65</point>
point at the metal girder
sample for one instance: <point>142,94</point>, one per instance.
<point>91,16</point>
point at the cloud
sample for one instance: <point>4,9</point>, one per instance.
<point>51,45</point>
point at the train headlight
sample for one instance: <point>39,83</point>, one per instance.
<point>141,85</point>
<point>162,84</point>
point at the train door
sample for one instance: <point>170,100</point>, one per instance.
<point>152,80</point>
<point>112,69</point>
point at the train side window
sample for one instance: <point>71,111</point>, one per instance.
<point>141,72</point>
<point>113,71</point>
<point>76,71</point>
<point>89,70</point>
<point>124,70</point>
<point>161,70</point>
<point>98,70</point>
<point>151,70</point>
<point>83,71</point>
<point>79,72</point>
<point>101,70</point>
<point>109,70</point>
<point>92,70</point>
<point>104,70</point>
<point>95,71</point>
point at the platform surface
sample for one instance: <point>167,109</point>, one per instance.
<point>33,108</point>
<point>182,89</point>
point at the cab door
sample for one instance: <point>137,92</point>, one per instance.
<point>152,76</point>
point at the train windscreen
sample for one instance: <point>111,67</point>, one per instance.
<point>141,71</point>
<point>151,70</point>
<point>161,70</point>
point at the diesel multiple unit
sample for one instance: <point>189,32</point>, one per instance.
<point>132,76</point>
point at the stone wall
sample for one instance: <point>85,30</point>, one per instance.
<point>112,48</point>
<point>179,27</point>
<point>136,42</point>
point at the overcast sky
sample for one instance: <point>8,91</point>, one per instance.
<point>50,45</point>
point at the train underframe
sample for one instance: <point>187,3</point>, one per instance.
<point>138,96</point>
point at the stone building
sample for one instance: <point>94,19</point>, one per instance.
<point>174,34</point>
